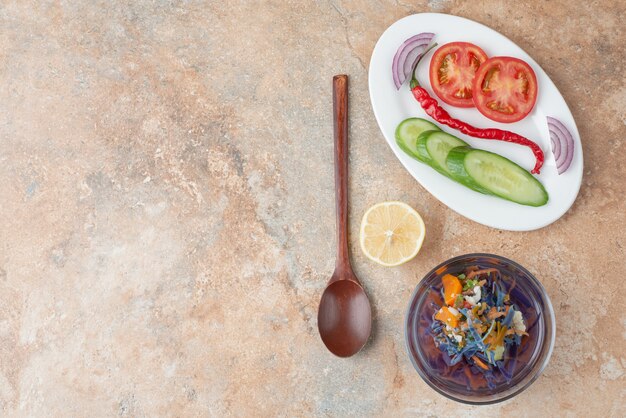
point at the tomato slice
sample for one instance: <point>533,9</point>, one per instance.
<point>452,70</point>
<point>505,89</point>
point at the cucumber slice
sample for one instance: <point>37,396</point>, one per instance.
<point>491,173</point>
<point>420,146</point>
<point>438,145</point>
<point>408,131</point>
<point>456,167</point>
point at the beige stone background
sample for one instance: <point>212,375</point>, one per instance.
<point>167,210</point>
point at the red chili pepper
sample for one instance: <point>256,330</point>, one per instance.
<point>432,108</point>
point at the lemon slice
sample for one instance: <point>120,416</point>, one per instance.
<point>392,233</point>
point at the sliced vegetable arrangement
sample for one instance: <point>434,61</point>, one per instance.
<point>432,108</point>
<point>478,323</point>
<point>502,88</point>
<point>479,170</point>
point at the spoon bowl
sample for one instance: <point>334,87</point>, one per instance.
<point>344,318</point>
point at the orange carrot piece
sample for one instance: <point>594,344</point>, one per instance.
<point>444,315</point>
<point>452,287</point>
<point>480,363</point>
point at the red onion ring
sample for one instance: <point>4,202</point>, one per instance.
<point>562,144</point>
<point>407,54</point>
<point>556,145</point>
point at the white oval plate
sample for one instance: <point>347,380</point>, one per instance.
<point>392,106</point>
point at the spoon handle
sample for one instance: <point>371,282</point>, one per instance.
<point>340,116</point>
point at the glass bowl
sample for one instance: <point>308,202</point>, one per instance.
<point>533,355</point>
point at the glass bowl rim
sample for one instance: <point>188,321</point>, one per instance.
<point>548,308</point>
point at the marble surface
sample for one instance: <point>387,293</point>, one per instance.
<point>167,210</point>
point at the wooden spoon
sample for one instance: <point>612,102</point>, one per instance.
<point>344,318</point>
